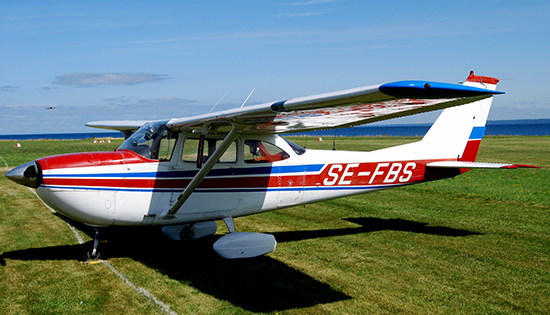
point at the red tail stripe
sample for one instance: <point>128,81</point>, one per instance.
<point>481,79</point>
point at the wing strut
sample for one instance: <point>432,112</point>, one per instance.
<point>231,136</point>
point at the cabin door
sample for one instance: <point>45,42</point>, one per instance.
<point>219,190</point>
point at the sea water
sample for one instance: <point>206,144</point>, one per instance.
<point>495,128</point>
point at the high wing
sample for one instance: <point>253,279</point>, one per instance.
<point>338,109</point>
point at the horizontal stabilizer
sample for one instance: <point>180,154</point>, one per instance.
<point>458,164</point>
<point>118,124</point>
<point>127,127</point>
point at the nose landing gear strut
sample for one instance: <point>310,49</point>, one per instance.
<point>95,254</point>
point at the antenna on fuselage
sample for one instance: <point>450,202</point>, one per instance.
<point>216,104</point>
<point>248,97</point>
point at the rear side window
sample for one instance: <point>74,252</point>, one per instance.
<point>257,151</point>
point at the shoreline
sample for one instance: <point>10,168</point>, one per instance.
<point>282,135</point>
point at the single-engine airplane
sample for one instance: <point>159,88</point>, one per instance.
<point>185,173</point>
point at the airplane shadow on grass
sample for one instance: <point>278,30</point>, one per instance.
<point>260,284</point>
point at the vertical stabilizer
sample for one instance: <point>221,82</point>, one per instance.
<point>458,131</point>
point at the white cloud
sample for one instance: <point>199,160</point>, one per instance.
<point>305,14</point>
<point>94,79</point>
<point>165,101</point>
<point>314,2</point>
<point>8,88</point>
<point>46,88</point>
<point>118,100</point>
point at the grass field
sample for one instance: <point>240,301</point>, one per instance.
<point>478,243</point>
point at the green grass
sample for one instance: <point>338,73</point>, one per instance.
<point>478,243</point>
<point>34,149</point>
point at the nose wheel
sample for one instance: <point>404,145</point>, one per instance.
<point>95,254</point>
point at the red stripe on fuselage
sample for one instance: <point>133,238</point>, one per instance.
<point>90,159</point>
<point>333,175</point>
<point>163,183</point>
<point>381,173</point>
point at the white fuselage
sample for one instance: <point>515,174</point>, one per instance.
<point>123,188</point>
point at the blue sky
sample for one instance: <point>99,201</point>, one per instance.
<point>101,60</point>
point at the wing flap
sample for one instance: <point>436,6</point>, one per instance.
<point>354,115</point>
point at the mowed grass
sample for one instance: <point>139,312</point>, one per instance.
<point>478,243</point>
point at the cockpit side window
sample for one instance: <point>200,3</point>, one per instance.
<point>166,147</point>
<point>258,151</point>
<point>153,141</point>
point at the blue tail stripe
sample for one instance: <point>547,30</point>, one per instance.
<point>477,133</point>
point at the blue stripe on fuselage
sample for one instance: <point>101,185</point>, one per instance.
<point>266,170</point>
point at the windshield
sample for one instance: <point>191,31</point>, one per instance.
<point>151,141</point>
<point>297,149</point>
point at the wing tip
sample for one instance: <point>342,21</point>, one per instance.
<point>432,90</point>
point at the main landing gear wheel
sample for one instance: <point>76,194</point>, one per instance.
<point>187,232</point>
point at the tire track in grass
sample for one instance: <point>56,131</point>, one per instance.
<point>162,306</point>
<point>5,163</point>
<point>7,168</point>
<point>165,308</point>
